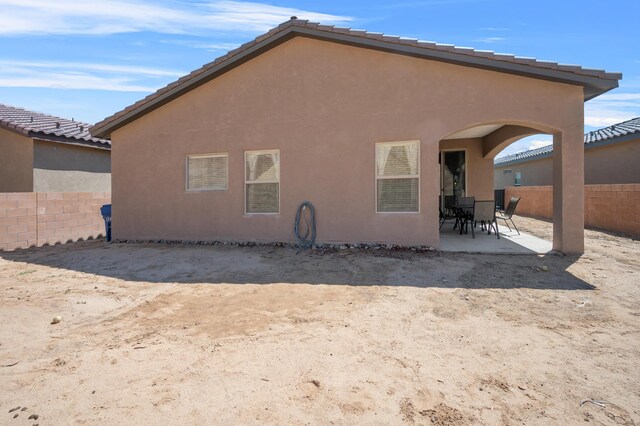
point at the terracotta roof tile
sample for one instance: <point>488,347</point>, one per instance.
<point>607,134</point>
<point>36,124</point>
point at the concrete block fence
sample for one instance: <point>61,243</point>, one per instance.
<point>614,207</point>
<point>30,219</point>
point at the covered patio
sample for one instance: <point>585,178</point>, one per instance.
<point>466,173</point>
<point>510,242</point>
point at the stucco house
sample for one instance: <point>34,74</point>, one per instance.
<point>371,129</point>
<point>43,153</point>
<point>611,156</point>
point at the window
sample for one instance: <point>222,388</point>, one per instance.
<point>517,180</point>
<point>207,172</point>
<point>262,181</point>
<point>397,176</point>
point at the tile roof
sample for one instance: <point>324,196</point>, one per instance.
<point>520,157</point>
<point>625,128</point>
<point>594,81</point>
<point>620,132</point>
<point>39,125</point>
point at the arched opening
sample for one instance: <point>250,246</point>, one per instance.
<point>466,160</point>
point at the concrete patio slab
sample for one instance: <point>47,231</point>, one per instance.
<point>509,243</point>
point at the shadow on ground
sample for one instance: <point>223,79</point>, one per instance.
<point>175,263</point>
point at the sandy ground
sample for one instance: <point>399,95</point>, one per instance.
<point>158,334</point>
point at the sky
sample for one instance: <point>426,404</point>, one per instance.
<point>87,59</point>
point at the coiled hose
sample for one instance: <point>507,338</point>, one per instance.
<point>306,212</point>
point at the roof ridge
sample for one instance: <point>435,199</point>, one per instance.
<point>453,47</point>
<point>594,82</point>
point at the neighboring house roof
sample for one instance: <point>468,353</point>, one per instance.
<point>47,127</point>
<point>595,82</point>
<point>627,129</point>
<point>621,132</point>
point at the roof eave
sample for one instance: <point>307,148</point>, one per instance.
<point>13,128</point>
<point>70,141</point>
<point>593,84</point>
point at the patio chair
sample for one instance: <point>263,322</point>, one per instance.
<point>447,212</point>
<point>485,213</point>
<point>508,213</point>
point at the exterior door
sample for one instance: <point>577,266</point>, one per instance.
<point>453,177</point>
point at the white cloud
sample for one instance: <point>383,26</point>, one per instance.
<point>217,47</point>
<point>98,17</point>
<point>76,75</point>
<point>209,46</point>
<point>539,143</point>
<point>93,67</point>
<point>490,39</point>
<point>612,108</point>
<point>525,144</point>
<point>70,81</point>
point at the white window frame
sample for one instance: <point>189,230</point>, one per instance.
<point>246,182</point>
<point>186,171</point>
<point>517,179</point>
<point>377,178</point>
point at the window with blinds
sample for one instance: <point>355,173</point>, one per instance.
<point>208,172</point>
<point>398,177</point>
<point>262,181</point>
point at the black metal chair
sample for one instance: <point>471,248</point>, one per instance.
<point>485,213</point>
<point>447,212</point>
<point>465,213</point>
<point>508,213</point>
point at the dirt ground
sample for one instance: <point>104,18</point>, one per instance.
<point>177,334</point>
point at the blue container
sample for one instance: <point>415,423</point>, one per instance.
<point>106,215</point>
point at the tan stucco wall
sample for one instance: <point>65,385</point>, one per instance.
<point>608,164</point>
<point>538,172</point>
<point>324,105</point>
<point>16,161</point>
<point>615,163</point>
<point>60,167</point>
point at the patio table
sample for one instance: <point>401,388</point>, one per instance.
<point>464,214</point>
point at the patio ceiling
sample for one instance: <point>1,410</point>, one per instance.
<point>475,132</point>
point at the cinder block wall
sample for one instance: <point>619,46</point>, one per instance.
<point>535,201</point>
<point>29,219</point>
<point>614,207</point>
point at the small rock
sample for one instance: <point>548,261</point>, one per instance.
<point>545,268</point>
<point>56,319</point>
<point>34,417</point>
<point>24,409</point>
<point>15,415</point>
<point>14,409</point>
